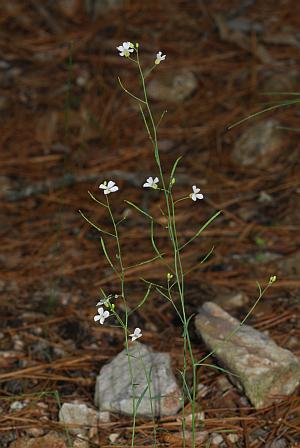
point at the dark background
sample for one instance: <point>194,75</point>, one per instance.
<point>66,126</point>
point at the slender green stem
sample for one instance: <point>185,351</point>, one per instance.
<point>122,282</point>
<point>152,129</point>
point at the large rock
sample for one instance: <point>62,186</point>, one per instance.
<point>259,144</point>
<point>264,369</point>
<point>114,391</point>
<point>173,87</point>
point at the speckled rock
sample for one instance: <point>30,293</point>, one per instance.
<point>284,81</point>
<point>174,86</point>
<point>263,369</point>
<point>259,144</point>
<point>98,7</point>
<point>50,440</point>
<point>114,391</point>
<point>290,265</point>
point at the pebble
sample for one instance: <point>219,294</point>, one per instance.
<point>78,417</point>
<point>113,437</point>
<point>18,405</point>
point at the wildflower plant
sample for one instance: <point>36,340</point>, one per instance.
<point>164,181</point>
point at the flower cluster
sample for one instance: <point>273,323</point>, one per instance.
<point>127,48</point>
<point>111,187</point>
<point>104,314</point>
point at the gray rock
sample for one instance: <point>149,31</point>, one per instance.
<point>113,388</point>
<point>290,265</point>
<point>232,300</point>
<point>68,7</point>
<point>173,87</point>
<point>285,81</point>
<point>98,7</point>
<point>244,25</point>
<point>77,417</point>
<point>259,144</point>
<point>263,369</point>
<point>278,443</point>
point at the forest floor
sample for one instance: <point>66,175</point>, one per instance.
<point>67,126</point>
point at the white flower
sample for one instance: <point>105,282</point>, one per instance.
<point>151,183</point>
<point>159,57</point>
<point>101,316</point>
<point>136,334</point>
<point>125,49</point>
<point>106,300</point>
<point>103,302</point>
<point>109,187</point>
<point>196,195</point>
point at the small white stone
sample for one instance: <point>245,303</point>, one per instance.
<point>113,437</point>
<point>202,390</point>
<point>79,443</point>
<point>18,405</point>
<point>35,432</point>
<point>233,438</point>
<point>104,416</point>
<point>78,414</point>
<point>18,343</point>
<point>216,439</point>
<point>198,416</point>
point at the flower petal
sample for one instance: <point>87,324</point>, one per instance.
<point>110,184</point>
<point>113,189</point>
<point>97,317</point>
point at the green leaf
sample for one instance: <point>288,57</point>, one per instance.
<point>201,229</point>
<point>174,169</point>
<point>142,301</point>
<point>267,109</point>
<point>139,209</point>
<point>96,227</point>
